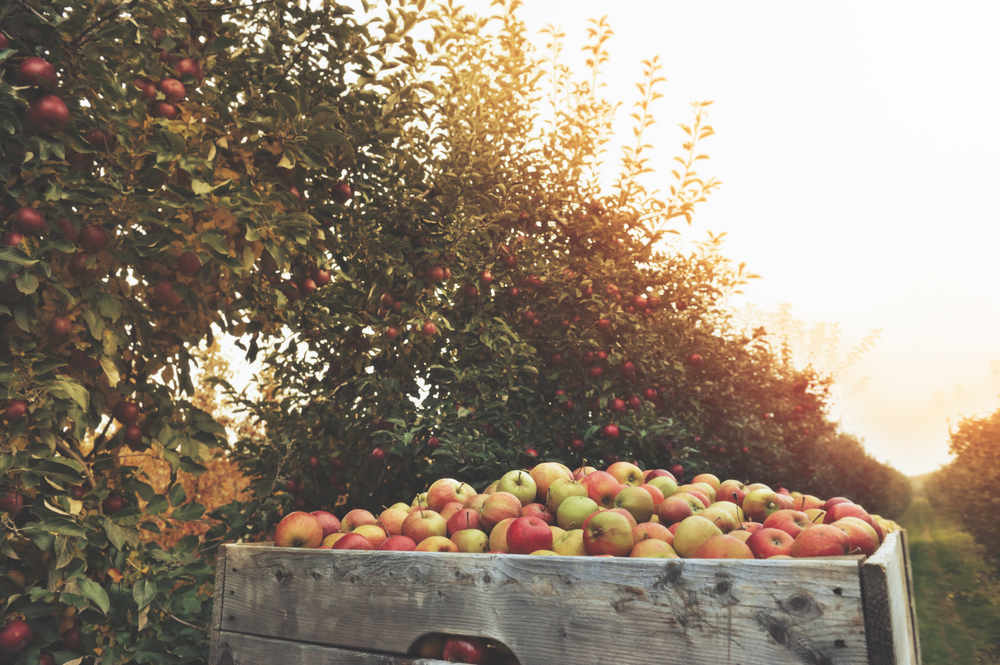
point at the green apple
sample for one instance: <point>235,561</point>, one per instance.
<point>665,484</point>
<point>520,484</point>
<point>637,501</point>
<point>574,511</point>
<point>561,489</point>
<point>570,543</point>
<point>472,541</point>
<point>691,533</point>
<point>653,549</point>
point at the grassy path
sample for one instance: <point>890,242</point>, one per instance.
<point>957,593</point>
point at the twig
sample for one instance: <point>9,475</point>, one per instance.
<point>178,619</point>
<point>69,452</point>
<point>232,7</point>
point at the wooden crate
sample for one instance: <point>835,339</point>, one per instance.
<point>321,607</point>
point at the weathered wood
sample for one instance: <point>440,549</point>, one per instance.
<point>220,585</point>
<point>888,614</point>
<point>905,540</point>
<point>237,649</point>
<point>553,609</point>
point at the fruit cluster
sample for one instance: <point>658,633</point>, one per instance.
<point>622,511</point>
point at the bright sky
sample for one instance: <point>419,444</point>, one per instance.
<point>859,148</point>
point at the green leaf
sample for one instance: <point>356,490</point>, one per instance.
<point>15,255</point>
<point>93,592</point>
<point>6,461</point>
<point>71,390</point>
<point>143,592</point>
<point>177,495</point>
<point>110,306</point>
<point>216,242</point>
<point>65,549</point>
<point>157,505</point>
<point>188,512</point>
<point>114,532</point>
<point>108,365</point>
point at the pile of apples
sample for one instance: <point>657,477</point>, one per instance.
<point>624,511</point>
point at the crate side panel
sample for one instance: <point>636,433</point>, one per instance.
<point>217,602</point>
<point>887,605</point>
<point>555,609</point>
<point>237,649</point>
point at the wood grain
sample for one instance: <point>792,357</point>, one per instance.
<point>553,610</point>
<point>237,649</point>
<point>889,617</point>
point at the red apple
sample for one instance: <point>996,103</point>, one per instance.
<point>768,542</point>
<point>608,532</point>
<point>446,490</point>
<point>72,639</point>
<point>162,109</point>
<point>695,360</point>
<point>329,521</point>
<point>352,541</point>
<point>653,549</point>
<point>66,229</point>
<point>355,518</point>
<point>860,535</point>
<point>112,504</point>
<point>126,412</point>
<point>15,408</point>
<point>189,67</point>
<point>652,530</point>
<point>602,487</point>
<point>101,140</point>
<point>341,193</point>
<point>498,507</point>
<point>47,114</point>
<point>398,543</point>
<point>11,502</point>
<point>93,238</point>
<point>36,71</point>
<point>539,510</point>
<point>723,546</point>
<point>821,540</point>
<point>14,636</point>
<point>298,529</point>
<point>424,524</point>
<point>429,329</point>
<point>791,522</point>
<point>528,534</point>
<point>188,264</point>
<point>11,239</point>
<point>470,650</point>
<point>172,89</point>
<point>29,222</point>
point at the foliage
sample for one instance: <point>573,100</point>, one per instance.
<point>975,443</point>
<point>589,315</point>
<point>103,308</point>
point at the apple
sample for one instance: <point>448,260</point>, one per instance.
<point>429,329</point>
<point>732,509</point>
<point>666,484</point>
<point>651,531</point>
<point>189,67</point>
<point>678,507</point>
<point>608,532</point>
<point>637,501</point>
<point>470,650</point>
<point>11,502</point>
<point>333,538</point>
<point>720,518</point>
<point>11,239</point>
<point>520,484</point>
<point>731,490</point>
<point>15,409</point>
<point>655,493</point>
<point>60,326</point>
<point>528,534</point>
<point>14,636</point>
<point>653,549</point>
<point>188,264</point>
<point>373,532</point>
<point>329,521</point>
<point>498,507</point>
<point>391,519</point>
<point>29,222</point>
<point>626,473</point>
<point>298,529</point>
<point>860,535</point>
<point>464,519</point>
<point>723,547</point>
<point>101,139</point>
<point>815,515</point>
<point>610,430</point>
<point>544,475</point>
<point>760,503</point>
<point>446,490</point>
<point>398,543</point>
<point>72,639</point>
<point>791,522</point>
<point>821,540</point>
<point>473,541</point>
<point>126,412</point>
<point>804,502</point>
<point>691,533</point>
<point>66,229</point>
<point>830,503</point>
<point>498,535</point>
<point>841,510</point>
<point>341,193</point>
<point>561,489</point>
<point>163,109</point>
<point>708,479</point>
<point>450,509</point>
<point>704,488</point>
<point>698,494</point>
<point>574,511</point>
<point>424,524</point>
<point>540,511</point>
<point>352,541</point>
<point>768,542</point>
<point>172,89</point>
<point>602,487</point>
<point>570,543</point>
<point>37,72</point>
<point>355,518</point>
<point>695,360</point>
<point>94,238</point>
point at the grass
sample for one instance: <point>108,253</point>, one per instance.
<point>957,593</point>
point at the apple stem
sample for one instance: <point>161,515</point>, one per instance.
<point>383,528</point>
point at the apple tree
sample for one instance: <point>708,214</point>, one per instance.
<point>490,304</point>
<point>171,170</point>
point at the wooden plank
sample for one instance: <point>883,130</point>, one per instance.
<point>217,603</point>
<point>237,649</point>
<point>888,616</point>
<point>554,609</point>
<point>905,539</point>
